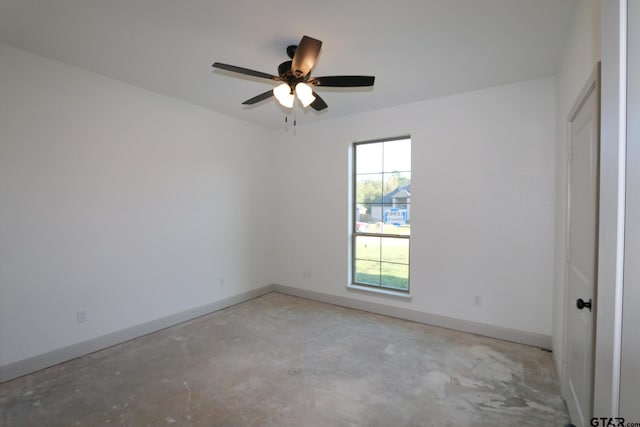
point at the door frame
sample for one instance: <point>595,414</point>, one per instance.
<point>592,85</point>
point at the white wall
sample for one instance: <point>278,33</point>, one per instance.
<point>121,202</point>
<point>482,195</point>
<point>581,55</point>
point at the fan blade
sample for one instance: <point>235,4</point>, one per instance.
<point>246,71</point>
<point>343,81</point>
<point>305,57</point>
<point>318,104</point>
<point>268,94</point>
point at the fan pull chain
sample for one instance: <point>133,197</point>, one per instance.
<point>286,122</point>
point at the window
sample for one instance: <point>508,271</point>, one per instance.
<point>381,214</point>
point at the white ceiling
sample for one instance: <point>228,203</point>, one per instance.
<point>416,49</point>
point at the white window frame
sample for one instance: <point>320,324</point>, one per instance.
<point>355,233</point>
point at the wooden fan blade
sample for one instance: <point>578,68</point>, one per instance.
<point>318,104</point>
<point>343,81</point>
<point>266,95</point>
<point>305,57</point>
<point>245,71</point>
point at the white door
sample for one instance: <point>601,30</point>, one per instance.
<point>582,253</point>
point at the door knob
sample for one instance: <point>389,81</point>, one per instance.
<point>582,304</point>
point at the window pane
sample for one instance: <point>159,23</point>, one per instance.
<point>397,184</point>
<point>395,250</point>
<point>382,206</point>
<point>367,272</point>
<point>368,217</point>
<point>397,156</point>
<point>403,230</point>
<point>367,248</point>
<point>395,275</point>
<point>369,158</point>
<point>369,188</point>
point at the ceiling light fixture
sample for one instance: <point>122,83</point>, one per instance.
<point>305,94</point>
<point>295,77</point>
<point>284,95</point>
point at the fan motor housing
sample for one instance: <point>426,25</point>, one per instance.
<point>284,69</point>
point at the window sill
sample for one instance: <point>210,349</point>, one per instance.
<point>379,291</point>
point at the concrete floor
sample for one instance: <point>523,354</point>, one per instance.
<point>284,361</point>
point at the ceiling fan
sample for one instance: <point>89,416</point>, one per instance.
<point>296,79</point>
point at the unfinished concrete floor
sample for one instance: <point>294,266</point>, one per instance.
<point>281,361</point>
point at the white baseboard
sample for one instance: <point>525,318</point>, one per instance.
<point>45,360</point>
<point>507,334</point>
<point>36,363</point>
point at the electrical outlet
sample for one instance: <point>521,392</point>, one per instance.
<point>81,316</point>
<point>221,282</point>
<point>477,301</point>
<point>306,274</point>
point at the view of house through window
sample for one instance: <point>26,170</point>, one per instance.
<point>382,213</point>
